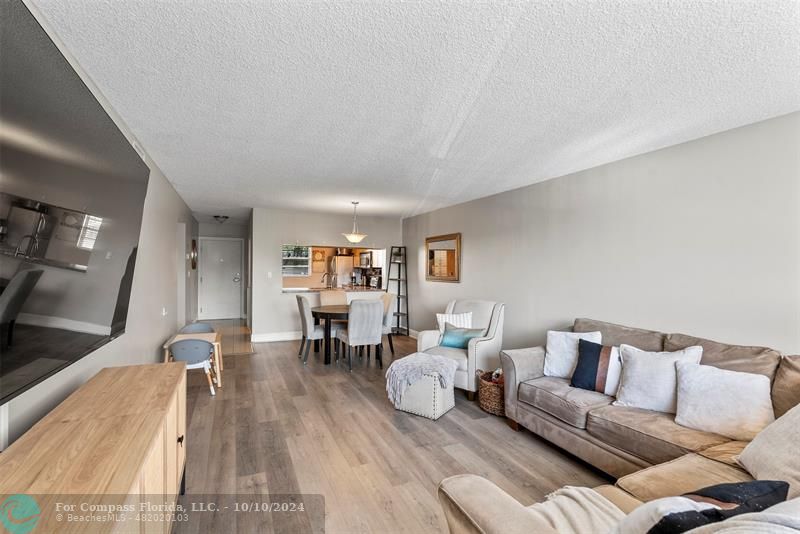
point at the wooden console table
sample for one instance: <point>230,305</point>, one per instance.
<point>118,440</point>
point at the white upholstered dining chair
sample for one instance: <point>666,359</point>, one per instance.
<point>332,298</point>
<point>310,331</point>
<point>364,329</point>
<point>388,300</point>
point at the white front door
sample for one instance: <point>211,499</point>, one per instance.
<point>220,278</point>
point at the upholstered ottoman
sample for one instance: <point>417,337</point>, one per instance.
<point>422,384</point>
<point>427,398</point>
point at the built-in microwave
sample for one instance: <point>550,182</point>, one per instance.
<point>365,259</point>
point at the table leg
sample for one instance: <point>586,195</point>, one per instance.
<point>316,341</point>
<point>217,363</point>
<point>327,342</point>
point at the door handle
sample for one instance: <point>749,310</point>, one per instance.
<point>180,440</point>
<point>236,279</point>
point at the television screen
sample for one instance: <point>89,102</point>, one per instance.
<point>72,191</point>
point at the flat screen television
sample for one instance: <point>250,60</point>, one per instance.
<point>72,191</point>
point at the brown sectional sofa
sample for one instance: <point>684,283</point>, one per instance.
<point>616,439</point>
<point>650,454</point>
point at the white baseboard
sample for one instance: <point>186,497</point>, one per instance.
<point>48,321</point>
<point>413,333</point>
<point>275,336</point>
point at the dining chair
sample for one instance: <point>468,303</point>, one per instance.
<point>13,298</point>
<point>310,331</point>
<point>332,298</point>
<point>197,355</point>
<point>364,329</point>
<point>388,300</point>
<point>197,328</point>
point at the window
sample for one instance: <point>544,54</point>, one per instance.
<point>89,231</point>
<point>295,260</point>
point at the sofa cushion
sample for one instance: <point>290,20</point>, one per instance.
<point>619,498</point>
<point>556,397</point>
<point>725,453</point>
<point>459,355</point>
<point>786,388</point>
<point>682,475</point>
<point>652,436</point>
<point>760,360</point>
<point>615,335</point>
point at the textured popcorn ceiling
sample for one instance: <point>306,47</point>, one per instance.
<point>414,106</point>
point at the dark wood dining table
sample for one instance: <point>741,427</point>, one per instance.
<point>329,314</point>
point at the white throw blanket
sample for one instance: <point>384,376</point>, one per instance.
<point>406,371</point>
<point>577,511</point>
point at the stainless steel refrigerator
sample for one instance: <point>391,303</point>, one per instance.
<point>342,268</point>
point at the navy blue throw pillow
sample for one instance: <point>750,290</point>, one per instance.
<point>598,368</point>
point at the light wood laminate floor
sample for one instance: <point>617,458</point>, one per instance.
<point>279,427</point>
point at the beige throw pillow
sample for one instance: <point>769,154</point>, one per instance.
<point>774,454</point>
<point>730,403</point>
<point>649,379</point>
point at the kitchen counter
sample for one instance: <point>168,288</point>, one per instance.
<point>346,289</point>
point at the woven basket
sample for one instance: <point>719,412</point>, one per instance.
<point>490,395</point>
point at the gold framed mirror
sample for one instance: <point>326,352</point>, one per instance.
<point>443,258</point>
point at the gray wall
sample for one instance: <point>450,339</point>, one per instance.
<point>702,238</point>
<point>275,313</point>
<point>154,288</point>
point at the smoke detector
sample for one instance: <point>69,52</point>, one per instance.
<point>221,218</point>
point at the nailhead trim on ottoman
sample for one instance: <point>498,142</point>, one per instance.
<point>426,398</point>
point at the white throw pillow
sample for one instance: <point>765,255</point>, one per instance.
<point>562,351</point>
<point>644,517</point>
<point>649,379</point>
<point>459,320</point>
<point>773,453</point>
<point>731,403</point>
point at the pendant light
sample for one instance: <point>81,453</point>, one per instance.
<point>355,236</point>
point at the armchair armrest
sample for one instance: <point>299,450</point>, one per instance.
<point>427,339</point>
<point>519,365</point>
<point>484,354</point>
<point>475,505</point>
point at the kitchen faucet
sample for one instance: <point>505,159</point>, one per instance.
<point>31,249</point>
<point>331,279</point>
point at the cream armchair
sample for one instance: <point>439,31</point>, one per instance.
<point>482,352</point>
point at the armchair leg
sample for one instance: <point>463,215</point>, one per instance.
<point>302,344</point>
<point>470,395</point>
<point>391,345</point>
<point>513,424</point>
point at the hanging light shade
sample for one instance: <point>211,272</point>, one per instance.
<point>355,236</point>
